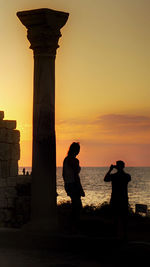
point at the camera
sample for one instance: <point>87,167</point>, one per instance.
<point>114,166</point>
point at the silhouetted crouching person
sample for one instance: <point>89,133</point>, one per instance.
<point>119,197</point>
<point>73,187</point>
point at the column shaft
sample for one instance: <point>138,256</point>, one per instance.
<point>44,147</point>
<point>43,32</point>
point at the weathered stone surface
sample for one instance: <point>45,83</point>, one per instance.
<point>3,135</point>
<point>3,182</point>
<point>4,151</point>
<point>15,198</point>
<point>4,169</point>
<point>2,192</point>
<point>0,170</point>
<point>9,136</point>
<point>1,217</point>
<point>10,124</point>
<point>10,202</point>
<point>10,192</point>
<point>9,155</point>
<point>11,181</point>
<point>3,202</point>
<point>13,136</point>
<point>13,168</point>
<point>14,153</point>
<point>1,124</point>
<point>23,179</point>
<point>9,167</point>
<point>1,115</point>
<point>8,216</point>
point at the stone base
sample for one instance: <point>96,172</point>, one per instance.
<point>41,226</point>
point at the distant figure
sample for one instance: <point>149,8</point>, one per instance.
<point>119,197</point>
<point>73,187</point>
<point>27,173</point>
<point>23,171</point>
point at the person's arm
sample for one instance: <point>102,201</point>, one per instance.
<point>77,166</point>
<point>81,189</point>
<point>129,178</point>
<point>77,178</point>
<point>63,169</point>
<point>107,177</point>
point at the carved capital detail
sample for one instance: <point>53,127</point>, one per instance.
<point>43,40</point>
<point>43,29</point>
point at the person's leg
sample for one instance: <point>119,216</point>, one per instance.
<point>125,226</point>
<point>122,224</point>
<point>115,216</point>
<point>116,225</point>
<point>76,209</point>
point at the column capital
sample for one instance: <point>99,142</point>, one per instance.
<point>43,29</point>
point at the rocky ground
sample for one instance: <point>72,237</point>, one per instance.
<point>94,245</point>
<point>21,249</point>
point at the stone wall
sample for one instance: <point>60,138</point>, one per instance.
<point>21,210</point>
<point>9,156</point>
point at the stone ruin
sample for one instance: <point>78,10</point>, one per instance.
<point>12,186</point>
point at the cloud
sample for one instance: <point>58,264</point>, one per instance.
<point>111,121</point>
<point>103,139</point>
<point>125,118</point>
<point>73,121</point>
<point>123,123</point>
<point>107,128</point>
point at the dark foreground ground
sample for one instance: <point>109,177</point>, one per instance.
<point>95,244</point>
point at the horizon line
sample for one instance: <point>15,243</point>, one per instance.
<point>94,166</point>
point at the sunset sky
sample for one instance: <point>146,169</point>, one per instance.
<point>102,79</point>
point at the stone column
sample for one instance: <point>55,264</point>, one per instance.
<point>43,32</point>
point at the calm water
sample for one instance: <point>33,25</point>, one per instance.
<point>97,191</point>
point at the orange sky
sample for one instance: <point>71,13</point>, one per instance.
<point>102,79</point>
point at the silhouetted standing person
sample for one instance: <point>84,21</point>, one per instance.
<point>119,197</point>
<point>23,171</point>
<point>73,187</point>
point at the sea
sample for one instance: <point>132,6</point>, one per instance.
<point>97,191</point>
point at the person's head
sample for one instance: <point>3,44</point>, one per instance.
<point>74,149</point>
<point>120,165</point>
